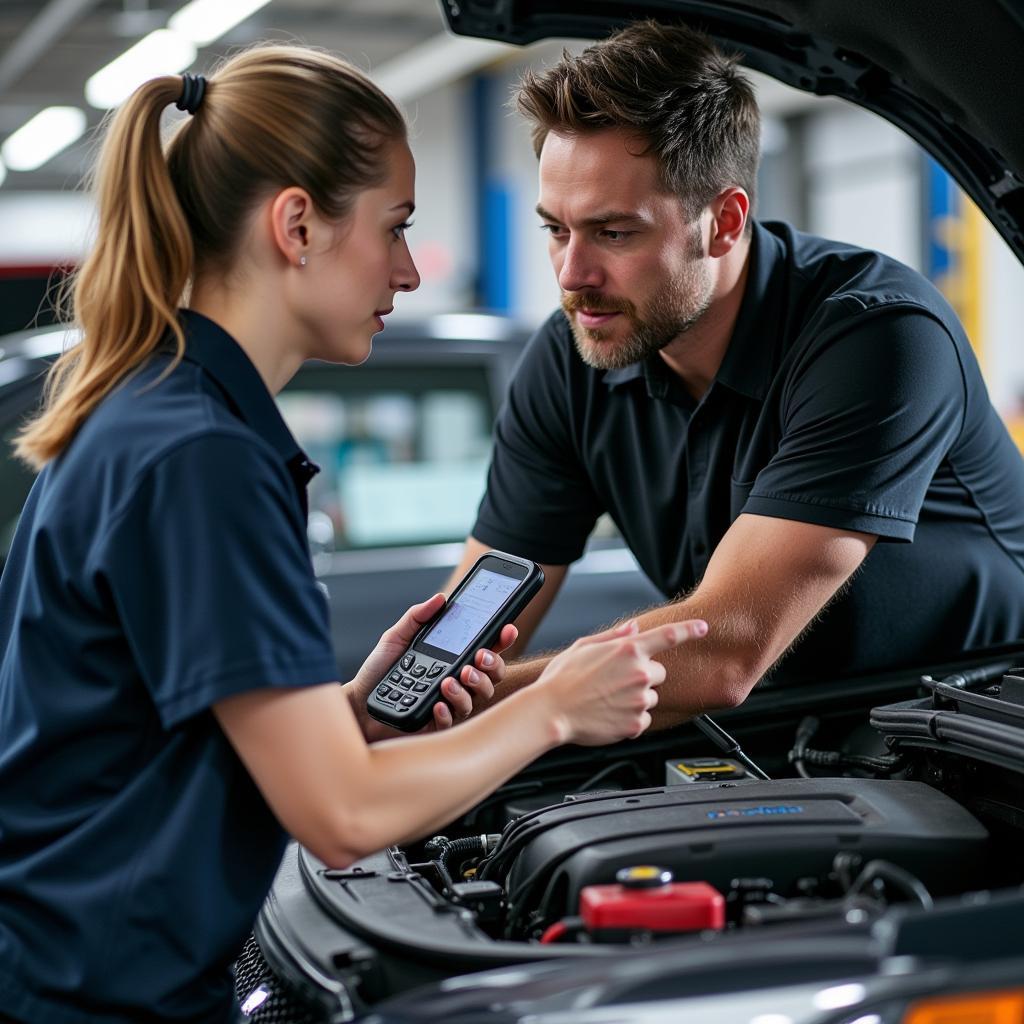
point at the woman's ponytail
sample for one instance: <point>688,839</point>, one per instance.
<point>126,294</point>
<point>271,117</point>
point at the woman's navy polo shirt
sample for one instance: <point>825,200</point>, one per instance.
<point>849,397</point>
<point>159,566</point>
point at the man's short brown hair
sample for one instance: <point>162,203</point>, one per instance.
<point>684,98</point>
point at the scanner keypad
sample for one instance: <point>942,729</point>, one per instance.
<point>405,684</point>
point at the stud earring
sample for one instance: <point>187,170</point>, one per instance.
<point>302,261</point>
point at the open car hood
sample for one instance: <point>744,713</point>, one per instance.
<point>949,74</point>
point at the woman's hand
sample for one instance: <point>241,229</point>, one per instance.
<point>604,686</point>
<point>475,687</point>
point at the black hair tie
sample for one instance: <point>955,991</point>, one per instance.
<point>193,87</point>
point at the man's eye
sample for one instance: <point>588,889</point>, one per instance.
<point>400,229</point>
<point>555,230</point>
<point>615,236</point>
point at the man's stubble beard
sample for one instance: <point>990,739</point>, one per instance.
<point>670,314</point>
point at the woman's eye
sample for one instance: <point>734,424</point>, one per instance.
<point>399,230</point>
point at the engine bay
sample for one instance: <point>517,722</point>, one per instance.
<point>918,809</point>
<point>755,845</point>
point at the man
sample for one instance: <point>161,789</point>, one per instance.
<point>792,435</point>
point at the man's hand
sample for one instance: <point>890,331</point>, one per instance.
<point>474,688</point>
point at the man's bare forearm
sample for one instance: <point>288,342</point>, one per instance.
<point>520,674</point>
<point>719,670</point>
<point>764,585</point>
<point>715,672</point>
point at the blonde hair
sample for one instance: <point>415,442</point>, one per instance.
<point>271,117</point>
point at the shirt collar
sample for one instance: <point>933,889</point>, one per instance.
<point>210,347</point>
<point>750,357</point>
<point>623,374</point>
<point>748,361</point>
<point>660,380</point>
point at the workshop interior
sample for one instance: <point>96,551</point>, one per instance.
<point>858,830</point>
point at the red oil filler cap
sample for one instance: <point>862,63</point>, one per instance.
<point>646,897</point>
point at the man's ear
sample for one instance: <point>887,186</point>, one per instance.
<point>729,210</point>
<point>291,215</point>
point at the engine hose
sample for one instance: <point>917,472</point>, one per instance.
<point>807,728</point>
<point>565,930</point>
<point>444,848</point>
<point>882,765</point>
<point>880,870</point>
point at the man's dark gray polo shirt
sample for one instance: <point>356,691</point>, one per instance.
<point>849,397</point>
<point>160,565</point>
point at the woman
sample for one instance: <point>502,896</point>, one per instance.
<point>169,705</point>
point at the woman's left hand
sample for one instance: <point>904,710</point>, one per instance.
<point>474,688</point>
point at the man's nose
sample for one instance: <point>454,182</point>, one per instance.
<point>579,269</point>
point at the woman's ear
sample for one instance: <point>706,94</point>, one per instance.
<point>291,216</point>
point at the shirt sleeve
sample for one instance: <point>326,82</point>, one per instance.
<point>871,410</point>
<point>539,502</point>
<point>209,571</point>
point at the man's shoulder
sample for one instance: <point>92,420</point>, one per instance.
<point>841,278</point>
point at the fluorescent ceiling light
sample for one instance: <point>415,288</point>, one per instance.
<point>43,137</point>
<point>204,21</point>
<point>160,53</point>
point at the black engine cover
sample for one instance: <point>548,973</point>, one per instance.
<point>783,830</point>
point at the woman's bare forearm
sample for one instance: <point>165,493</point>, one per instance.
<point>417,784</point>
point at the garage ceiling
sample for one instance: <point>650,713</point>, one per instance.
<point>49,48</point>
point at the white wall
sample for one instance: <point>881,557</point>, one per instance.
<point>442,239</point>
<point>863,183</point>
<point>40,228</point>
<point>535,292</point>
<point>1002,319</point>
